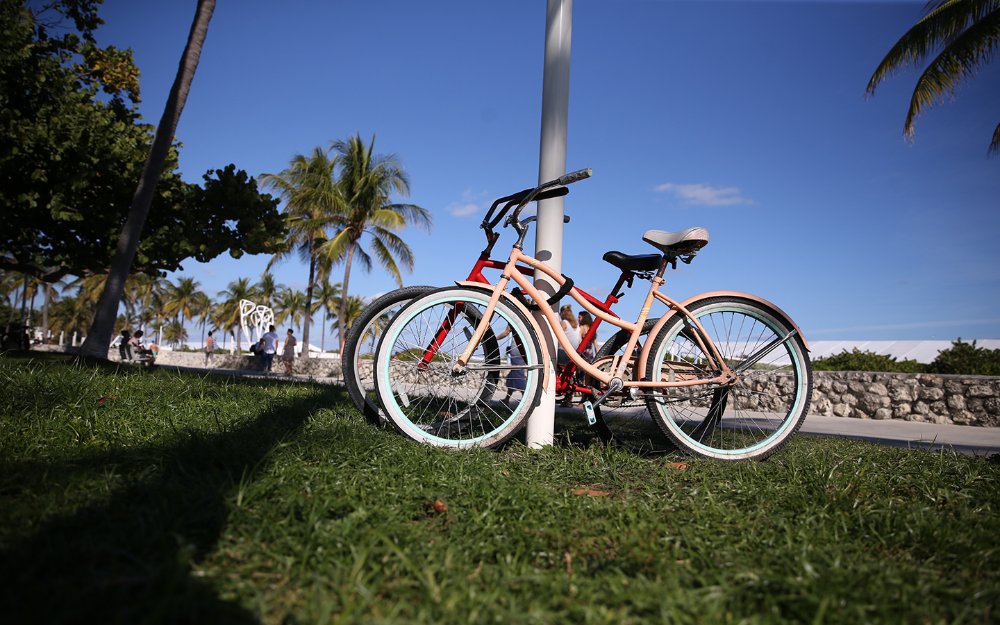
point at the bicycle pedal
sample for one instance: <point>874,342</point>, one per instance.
<point>588,407</point>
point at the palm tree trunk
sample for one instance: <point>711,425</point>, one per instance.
<point>322,339</point>
<point>99,336</point>
<point>309,297</point>
<point>342,315</point>
<point>45,312</point>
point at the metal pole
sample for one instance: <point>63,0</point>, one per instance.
<point>552,164</point>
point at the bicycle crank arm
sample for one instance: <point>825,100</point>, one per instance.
<point>615,385</point>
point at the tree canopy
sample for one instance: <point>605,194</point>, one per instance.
<point>73,146</point>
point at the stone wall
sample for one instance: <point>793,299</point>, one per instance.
<point>963,400</point>
<point>312,367</point>
<point>927,397</point>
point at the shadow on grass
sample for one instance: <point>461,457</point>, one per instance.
<point>637,434</point>
<point>128,560</point>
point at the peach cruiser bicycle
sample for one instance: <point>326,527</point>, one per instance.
<point>724,374</point>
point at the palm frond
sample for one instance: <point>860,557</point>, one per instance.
<point>394,245</point>
<point>415,215</point>
<point>957,62</point>
<point>387,261</point>
<point>334,250</point>
<point>386,218</point>
<point>362,257</point>
<point>995,143</point>
<point>944,21</point>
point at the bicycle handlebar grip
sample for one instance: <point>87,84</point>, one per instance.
<point>576,176</point>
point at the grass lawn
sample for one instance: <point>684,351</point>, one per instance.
<point>131,496</point>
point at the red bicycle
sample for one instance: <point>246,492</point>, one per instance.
<point>362,338</point>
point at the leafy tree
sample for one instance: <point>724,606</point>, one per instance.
<point>967,33</point>
<point>967,359</point>
<point>72,149</point>
<point>312,200</point>
<point>367,183</point>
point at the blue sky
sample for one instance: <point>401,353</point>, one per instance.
<point>748,118</point>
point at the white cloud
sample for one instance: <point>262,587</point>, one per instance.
<point>705,195</point>
<point>470,204</point>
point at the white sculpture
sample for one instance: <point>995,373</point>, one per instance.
<point>257,317</point>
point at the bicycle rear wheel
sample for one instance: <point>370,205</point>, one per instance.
<point>750,418</point>
<point>358,358</point>
<point>481,407</point>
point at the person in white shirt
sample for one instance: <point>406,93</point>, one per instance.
<point>570,325</point>
<point>270,340</point>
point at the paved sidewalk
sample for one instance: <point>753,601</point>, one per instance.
<point>964,439</point>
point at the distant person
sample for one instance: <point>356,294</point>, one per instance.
<point>124,352</point>
<point>269,347</point>
<point>288,352</point>
<point>209,347</point>
<point>516,380</point>
<point>589,353</point>
<point>571,327</point>
<point>135,344</point>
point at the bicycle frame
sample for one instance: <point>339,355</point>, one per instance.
<point>717,364</point>
<point>564,381</point>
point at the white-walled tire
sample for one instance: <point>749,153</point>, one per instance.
<point>418,390</point>
<point>751,418</point>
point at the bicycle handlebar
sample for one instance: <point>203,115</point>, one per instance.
<point>547,190</point>
<point>576,176</point>
<point>537,192</point>
<point>490,222</point>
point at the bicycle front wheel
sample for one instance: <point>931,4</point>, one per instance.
<point>359,349</point>
<point>481,406</point>
<point>750,418</point>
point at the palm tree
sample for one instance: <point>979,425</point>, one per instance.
<point>327,302</point>
<point>266,291</point>
<point>291,305</point>
<point>175,334</point>
<point>367,182</point>
<point>355,306</point>
<point>202,310</point>
<point>142,292</point>
<point>968,34</point>
<point>72,313</point>
<point>217,317</point>
<point>311,199</point>
<point>229,307</point>
<point>99,336</point>
<point>182,298</point>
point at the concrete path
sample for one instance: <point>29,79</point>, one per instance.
<point>964,439</point>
